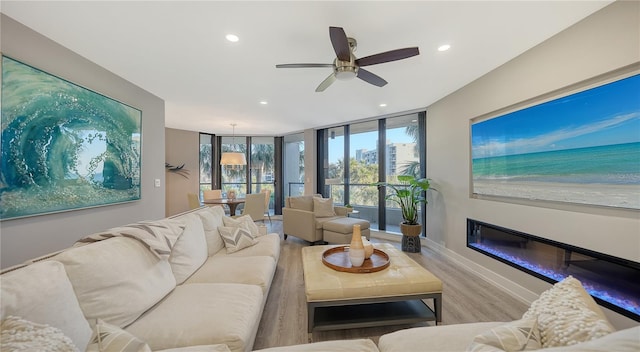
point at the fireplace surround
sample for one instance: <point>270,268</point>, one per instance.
<point>613,282</point>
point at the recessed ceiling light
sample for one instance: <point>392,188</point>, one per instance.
<point>444,47</point>
<point>383,105</point>
<point>232,38</point>
<point>264,102</point>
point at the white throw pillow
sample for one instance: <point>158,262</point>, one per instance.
<point>323,207</point>
<point>568,315</point>
<point>190,250</point>
<point>212,219</point>
<point>42,292</point>
<point>519,335</point>
<point>110,338</point>
<point>22,335</point>
<point>244,222</point>
<point>236,238</point>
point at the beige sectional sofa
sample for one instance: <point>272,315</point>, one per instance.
<point>200,294</point>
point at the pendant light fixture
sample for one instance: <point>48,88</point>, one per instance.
<point>233,158</point>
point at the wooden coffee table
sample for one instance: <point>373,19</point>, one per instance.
<point>340,300</point>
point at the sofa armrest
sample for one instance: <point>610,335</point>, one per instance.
<point>340,210</point>
<point>299,223</point>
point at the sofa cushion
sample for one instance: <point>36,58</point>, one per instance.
<point>212,219</point>
<point>323,207</point>
<point>22,295</point>
<point>107,337</point>
<point>519,335</point>
<point>116,279</point>
<point>359,345</point>
<point>301,203</point>
<point>433,338</point>
<point>243,222</point>
<point>239,270</point>
<point>560,307</point>
<point>236,238</point>
<point>267,245</point>
<point>190,250</point>
<point>627,340</point>
<point>22,335</point>
<point>198,314</point>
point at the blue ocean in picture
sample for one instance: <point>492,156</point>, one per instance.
<point>582,148</point>
<point>608,164</point>
<point>63,146</point>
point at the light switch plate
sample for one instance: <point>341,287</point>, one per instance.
<point>157,182</point>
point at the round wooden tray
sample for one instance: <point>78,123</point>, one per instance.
<point>337,258</point>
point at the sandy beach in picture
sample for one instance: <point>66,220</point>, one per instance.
<point>613,195</point>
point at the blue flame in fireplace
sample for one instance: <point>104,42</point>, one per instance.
<point>630,304</point>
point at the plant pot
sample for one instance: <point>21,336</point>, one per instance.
<point>411,238</point>
<point>410,230</point>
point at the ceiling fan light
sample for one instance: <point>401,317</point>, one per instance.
<point>344,73</point>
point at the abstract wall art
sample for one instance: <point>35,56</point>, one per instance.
<point>581,148</point>
<point>64,147</point>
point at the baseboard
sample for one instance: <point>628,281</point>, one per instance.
<point>522,294</point>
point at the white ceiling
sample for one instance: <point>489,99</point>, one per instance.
<point>177,50</point>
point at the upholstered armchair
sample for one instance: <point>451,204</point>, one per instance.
<point>303,216</point>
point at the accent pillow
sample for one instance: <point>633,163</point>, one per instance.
<point>22,335</point>
<point>244,222</point>
<point>559,310</point>
<point>301,203</point>
<point>211,220</point>
<point>236,238</point>
<point>110,338</point>
<point>22,294</point>
<point>190,250</point>
<point>519,335</point>
<point>323,207</point>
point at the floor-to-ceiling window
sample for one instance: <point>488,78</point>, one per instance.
<point>376,150</point>
<point>206,162</point>
<point>402,155</point>
<point>335,177</point>
<point>293,162</point>
<point>363,170</point>
<point>262,167</point>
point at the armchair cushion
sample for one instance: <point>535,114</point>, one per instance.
<point>301,203</point>
<point>323,207</point>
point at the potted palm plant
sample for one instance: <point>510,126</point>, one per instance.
<point>408,194</point>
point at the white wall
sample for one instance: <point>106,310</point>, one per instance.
<point>22,239</point>
<point>605,41</point>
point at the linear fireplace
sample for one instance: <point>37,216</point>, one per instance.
<point>613,282</point>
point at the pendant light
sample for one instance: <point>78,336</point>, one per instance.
<point>233,158</point>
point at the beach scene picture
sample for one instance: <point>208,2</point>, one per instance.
<point>582,148</point>
<point>63,147</point>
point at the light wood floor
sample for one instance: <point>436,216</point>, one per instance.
<point>466,298</point>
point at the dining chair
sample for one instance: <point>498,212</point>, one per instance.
<point>194,201</point>
<point>267,199</point>
<point>212,194</point>
<point>254,206</point>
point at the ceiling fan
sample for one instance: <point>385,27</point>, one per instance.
<point>347,66</point>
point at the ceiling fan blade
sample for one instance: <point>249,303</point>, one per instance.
<point>387,56</point>
<point>371,78</point>
<point>326,83</point>
<point>302,65</point>
<point>340,43</point>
